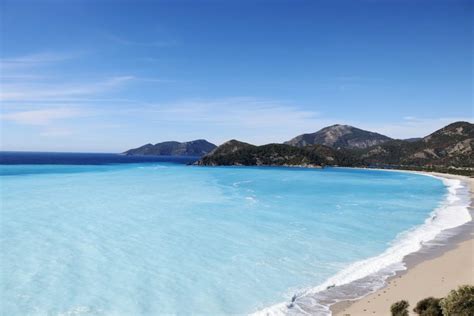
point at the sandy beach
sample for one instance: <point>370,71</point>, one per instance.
<point>451,266</point>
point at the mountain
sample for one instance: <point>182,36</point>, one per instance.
<point>198,147</point>
<point>450,147</point>
<point>236,153</point>
<point>224,153</point>
<point>340,137</point>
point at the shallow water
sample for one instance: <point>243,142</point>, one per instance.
<point>155,238</point>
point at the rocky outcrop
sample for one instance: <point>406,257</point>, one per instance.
<point>340,137</point>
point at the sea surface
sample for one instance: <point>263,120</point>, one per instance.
<point>103,234</point>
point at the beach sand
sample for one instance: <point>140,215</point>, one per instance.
<point>423,278</point>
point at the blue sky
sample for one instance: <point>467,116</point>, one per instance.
<point>104,76</point>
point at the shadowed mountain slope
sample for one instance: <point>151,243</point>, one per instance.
<point>198,147</point>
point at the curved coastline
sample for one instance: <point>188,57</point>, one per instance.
<point>367,276</point>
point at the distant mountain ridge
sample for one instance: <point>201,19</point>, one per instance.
<point>198,148</point>
<point>449,149</point>
<point>340,137</point>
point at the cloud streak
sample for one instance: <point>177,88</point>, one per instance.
<point>244,111</point>
<point>41,117</point>
<point>33,60</point>
<point>38,91</point>
<point>250,119</point>
<point>263,121</point>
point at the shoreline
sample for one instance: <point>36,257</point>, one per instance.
<point>438,267</point>
<point>440,231</point>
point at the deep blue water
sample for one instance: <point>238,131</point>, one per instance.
<point>45,158</point>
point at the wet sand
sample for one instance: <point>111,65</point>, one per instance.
<point>432,272</point>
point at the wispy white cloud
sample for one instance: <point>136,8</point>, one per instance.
<point>244,111</point>
<point>250,119</point>
<point>42,91</point>
<point>21,77</point>
<point>262,121</point>
<point>33,60</point>
<point>88,109</point>
<point>26,78</point>
<point>41,117</point>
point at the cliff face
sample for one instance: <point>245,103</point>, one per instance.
<point>198,147</point>
<point>340,137</point>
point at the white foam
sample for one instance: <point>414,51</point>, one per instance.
<point>79,310</point>
<point>251,199</point>
<point>451,213</point>
<point>238,183</point>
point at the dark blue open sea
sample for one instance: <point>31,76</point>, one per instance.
<point>48,158</point>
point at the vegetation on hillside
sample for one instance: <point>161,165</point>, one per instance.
<point>196,148</point>
<point>448,150</point>
<point>235,153</point>
<point>459,302</point>
<point>428,307</point>
<point>340,137</point>
<point>269,155</point>
<point>399,308</point>
<point>451,146</point>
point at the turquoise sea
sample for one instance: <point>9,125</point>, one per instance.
<point>152,238</point>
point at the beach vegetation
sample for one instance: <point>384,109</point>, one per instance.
<point>428,307</point>
<point>459,302</point>
<point>400,308</point>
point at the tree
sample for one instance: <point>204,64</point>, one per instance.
<point>428,307</point>
<point>400,308</point>
<point>459,302</point>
